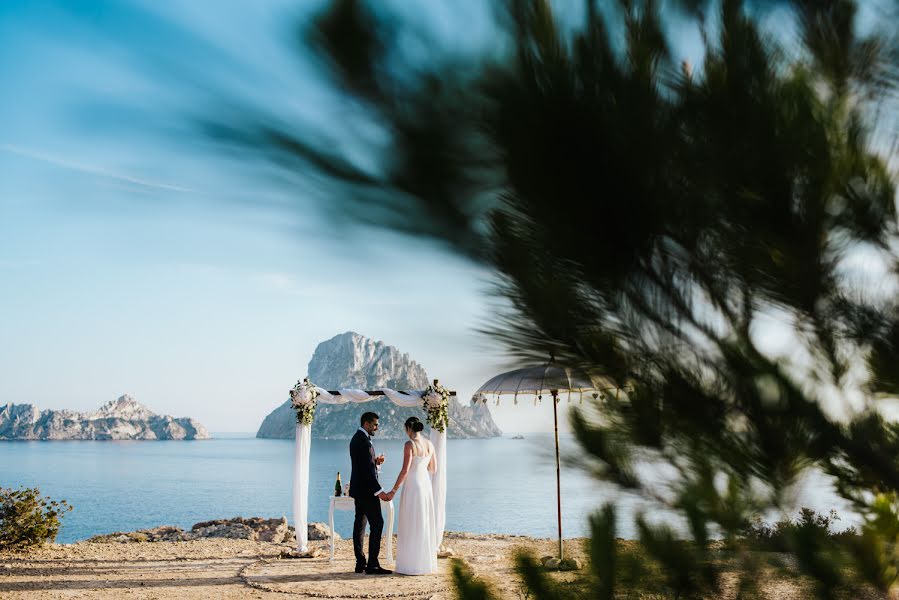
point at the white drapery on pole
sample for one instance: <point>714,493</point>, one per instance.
<point>412,399</point>
<point>408,399</point>
<point>301,485</point>
<point>438,482</point>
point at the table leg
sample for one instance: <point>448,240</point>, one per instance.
<point>331,528</point>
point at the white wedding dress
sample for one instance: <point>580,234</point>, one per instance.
<point>416,529</point>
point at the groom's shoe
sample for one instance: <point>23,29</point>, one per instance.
<point>360,568</point>
<point>378,571</point>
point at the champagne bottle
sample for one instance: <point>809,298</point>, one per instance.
<point>338,489</point>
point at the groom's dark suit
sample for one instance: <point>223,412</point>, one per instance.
<point>363,487</point>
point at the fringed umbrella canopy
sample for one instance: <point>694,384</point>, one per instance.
<point>539,380</point>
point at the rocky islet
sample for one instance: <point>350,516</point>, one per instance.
<point>120,419</point>
<point>353,361</point>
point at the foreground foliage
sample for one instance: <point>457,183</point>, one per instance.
<point>28,519</point>
<point>716,241</point>
<point>757,562</point>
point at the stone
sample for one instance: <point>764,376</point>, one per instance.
<point>320,531</point>
<point>351,360</point>
<point>166,533</point>
<point>273,530</point>
<point>234,531</point>
<point>311,553</point>
<point>570,564</point>
<point>120,419</point>
<point>552,563</point>
<point>119,537</point>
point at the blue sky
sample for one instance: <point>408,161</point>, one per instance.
<point>136,260</point>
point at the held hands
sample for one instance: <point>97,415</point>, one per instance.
<point>385,497</point>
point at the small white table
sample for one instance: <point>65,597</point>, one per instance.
<point>348,503</point>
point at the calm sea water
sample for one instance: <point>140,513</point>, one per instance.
<point>499,485</point>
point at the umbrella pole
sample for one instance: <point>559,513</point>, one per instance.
<point>555,395</point>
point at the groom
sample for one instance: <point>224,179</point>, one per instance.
<point>367,492</point>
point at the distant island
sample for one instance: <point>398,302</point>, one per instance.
<point>121,419</point>
<point>353,361</point>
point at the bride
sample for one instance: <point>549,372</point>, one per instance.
<point>416,529</point>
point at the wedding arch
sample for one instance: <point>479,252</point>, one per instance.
<point>434,401</point>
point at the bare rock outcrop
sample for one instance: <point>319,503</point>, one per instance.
<point>256,529</point>
<point>121,419</point>
<point>350,360</point>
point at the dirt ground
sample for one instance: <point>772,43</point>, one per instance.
<point>230,569</point>
<point>224,568</point>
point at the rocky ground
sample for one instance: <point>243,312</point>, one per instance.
<point>255,529</point>
<point>228,560</point>
<point>126,566</point>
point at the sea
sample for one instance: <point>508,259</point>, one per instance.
<point>498,485</point>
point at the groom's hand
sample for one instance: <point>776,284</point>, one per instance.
<point>384,497</point>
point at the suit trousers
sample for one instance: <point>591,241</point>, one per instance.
<point>368,509</point>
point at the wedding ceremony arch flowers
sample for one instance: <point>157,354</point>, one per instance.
<point>436,405</point>
<point>302,400</point>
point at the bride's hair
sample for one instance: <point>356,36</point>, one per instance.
<point>414,424</point>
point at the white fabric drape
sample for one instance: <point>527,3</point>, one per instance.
<point>345,396</point>
<point>403,398</point>
<point>438,481</point>
<point>354,395</point>
<point>326,396</point>
<point>301,485</point>
<point>302,449</point>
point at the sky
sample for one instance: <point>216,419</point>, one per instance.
<point>138,258</point>
<point>135,260</point>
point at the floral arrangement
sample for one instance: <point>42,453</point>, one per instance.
<point>436,406</point>
<point>302,400</point>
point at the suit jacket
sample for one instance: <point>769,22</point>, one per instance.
<point>364,476</point>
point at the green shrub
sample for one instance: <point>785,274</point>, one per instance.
<point>782,536</point>
<point>28,519</point>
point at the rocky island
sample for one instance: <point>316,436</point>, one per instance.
<point>351,360</point>
<point>121,419</point>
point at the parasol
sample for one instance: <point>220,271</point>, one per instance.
<point>549,378</point>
